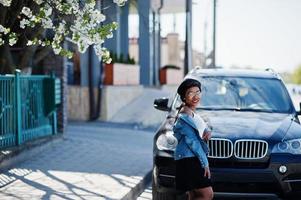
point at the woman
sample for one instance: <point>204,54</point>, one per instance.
<point>192,168</point>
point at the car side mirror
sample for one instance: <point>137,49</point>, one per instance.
<point>161,104</point>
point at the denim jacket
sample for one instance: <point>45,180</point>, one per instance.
<point>190,144</point>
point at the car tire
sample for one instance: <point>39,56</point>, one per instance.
<point>165,196</point>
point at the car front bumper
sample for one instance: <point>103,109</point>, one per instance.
<point>241,181</point>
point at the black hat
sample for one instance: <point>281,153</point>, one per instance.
<point>185,85</point>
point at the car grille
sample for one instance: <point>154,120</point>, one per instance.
<point>250,149</point>
<point>220,148</point>
<point>243,149</point>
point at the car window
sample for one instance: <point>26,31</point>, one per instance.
<point>245,93</point>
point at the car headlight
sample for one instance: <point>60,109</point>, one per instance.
<point>167,141</point>
<point>289,146</point>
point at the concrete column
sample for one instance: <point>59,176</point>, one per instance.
<point>156,8</point>
<point>111,11</point>
<point>124,29</point>
<point>120,42</point>
<point>145,43</point>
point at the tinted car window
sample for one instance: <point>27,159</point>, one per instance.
<point>244,93</point>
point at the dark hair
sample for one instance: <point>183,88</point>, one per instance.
<point>185,85</point>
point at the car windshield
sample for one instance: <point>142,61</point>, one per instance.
<point>244,94</point>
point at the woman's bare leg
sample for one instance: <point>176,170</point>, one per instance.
<point>201,194</point>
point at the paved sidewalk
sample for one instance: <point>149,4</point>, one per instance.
<point>146,194</point>
<point>93,161</point>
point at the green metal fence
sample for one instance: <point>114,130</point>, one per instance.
<point>27,108</point>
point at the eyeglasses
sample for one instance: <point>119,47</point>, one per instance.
<point>193,94</point>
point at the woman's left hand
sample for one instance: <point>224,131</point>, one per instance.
<point>207,172</point>
<point>206,135</point>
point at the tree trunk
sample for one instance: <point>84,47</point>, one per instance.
<point>40,55</point>
<point>7,64</point>
<point>27,56</point>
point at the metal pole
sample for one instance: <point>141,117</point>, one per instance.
<point>188,49</point>
<point>54,114</point>
<point>214,34</point>
<point>159,41</point>
<point>100,5</point>
<point>154,49</point>
<point>18,106</point>
<point>205,45</point>
<point>91,84</point>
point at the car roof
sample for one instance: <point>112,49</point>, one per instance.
<point>198,71</point>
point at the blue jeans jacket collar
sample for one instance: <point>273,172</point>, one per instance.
<point>188,119</point>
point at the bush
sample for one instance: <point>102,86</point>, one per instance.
<point>120,59</point>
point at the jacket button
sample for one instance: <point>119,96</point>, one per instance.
<point>180,156</point>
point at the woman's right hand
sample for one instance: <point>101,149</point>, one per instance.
<point>207,172</point>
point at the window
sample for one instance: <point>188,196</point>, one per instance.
<point>258,94</point>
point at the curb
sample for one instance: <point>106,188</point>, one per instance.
<point>139,188</point>
<point>11,156</point>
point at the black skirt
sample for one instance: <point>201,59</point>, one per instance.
<point>190,175</point>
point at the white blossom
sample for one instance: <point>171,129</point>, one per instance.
<point>12,39</point>
<point>29,43</point>
<point>91,4</point>
<point>61,29</point>
<point>27,12</point>
<point>47,23</point>
<point>4,30</point>
<point>1,41</point>
<point>78,21</point>
<point>110,35</point>
<point>6,3</point>
<point>47,10</point>
<point>39,2</point>
<point>1,28</point>
<point>97,16</point>
<point>120,2</point>
<point>24,23</point>
<point>57,50</point>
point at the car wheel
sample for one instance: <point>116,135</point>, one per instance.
<point>166,196</point>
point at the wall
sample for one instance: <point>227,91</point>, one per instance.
<point>78,103</point>
<point>173,50</point>
<point>54,63</point>
<point>113,99</point>
<point>116,97</point>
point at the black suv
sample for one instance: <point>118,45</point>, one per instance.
<point>255,149</point>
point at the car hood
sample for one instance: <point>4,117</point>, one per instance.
<point>248,125</point>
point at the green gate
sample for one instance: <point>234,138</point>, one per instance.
<point>27,108</point>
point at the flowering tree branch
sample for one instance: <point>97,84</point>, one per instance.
<point>48,23</point>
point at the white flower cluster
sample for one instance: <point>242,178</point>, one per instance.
<point>120,2</point>
<point>6,3</point>
<point>73,19</point>
<point>12,37</point>
<point>4,30</point>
